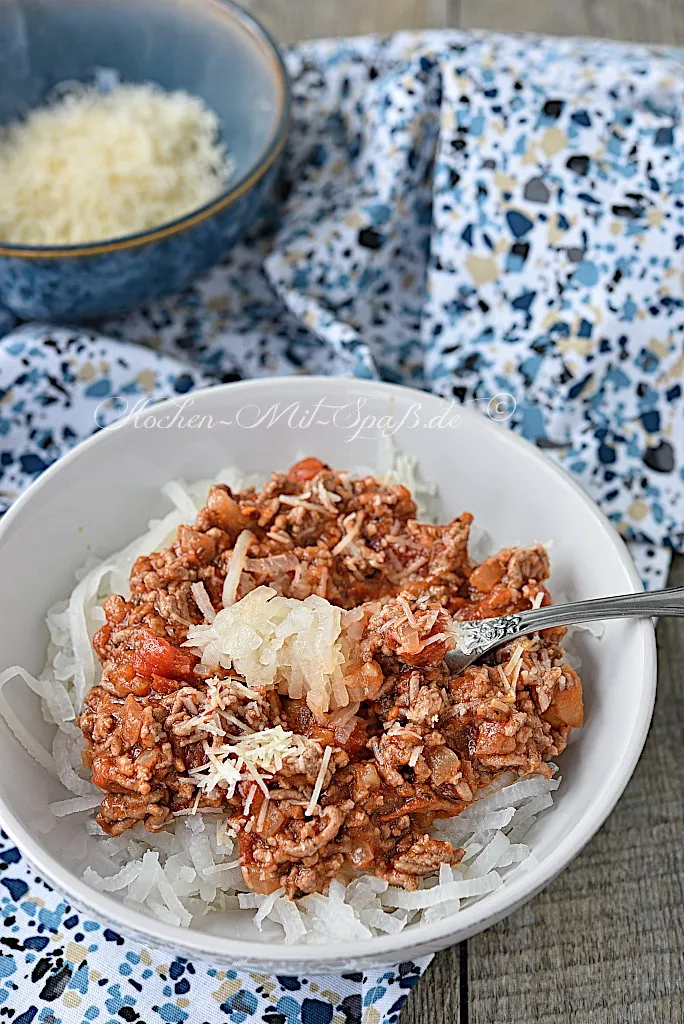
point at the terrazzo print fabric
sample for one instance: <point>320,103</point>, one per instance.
<point>58,387</point>
<point>495,219</point>
<point>554,261</point>
<point>59,967</point>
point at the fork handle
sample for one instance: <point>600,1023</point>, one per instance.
<point>650,603</point>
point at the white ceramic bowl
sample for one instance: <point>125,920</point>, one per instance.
<point>102,494</point>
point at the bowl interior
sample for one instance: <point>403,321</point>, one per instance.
<point>207,47</point>
<point>94,501</point>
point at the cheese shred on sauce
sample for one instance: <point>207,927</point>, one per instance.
<point>93,165</point>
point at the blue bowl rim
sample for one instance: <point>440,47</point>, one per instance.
<point>249,178</point>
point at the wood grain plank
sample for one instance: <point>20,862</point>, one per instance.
<point>436,997</point>
<point>557,17</point>
<point>290,20</point>
<point>644,21</point>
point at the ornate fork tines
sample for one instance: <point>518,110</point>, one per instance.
<point>473,638</point>
<point>479,635</point>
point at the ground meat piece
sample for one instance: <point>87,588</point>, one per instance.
<point>427,707</point>
<point>398,747</point>
<point>513,567</point>
<point>177,606</point>
<point>506,582</point>
<point>415,631</point>
<point>446,548</point>
<point>222,512</point>
<point>312,836</point>
<point>527,564</point>
<point>119,811</point>
<point>302,879</point>
<point>424,855</point>
<point>387,770</point>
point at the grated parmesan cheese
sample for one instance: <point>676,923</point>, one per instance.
<point>413,759</point>
<point>265,750</point>
<point>320,779</point>
<point>356,521</point>
<point>261,820</point>
<point>93,165</point>
<point>299,501</point>
<point>250,797</point>
<point>514,659</point>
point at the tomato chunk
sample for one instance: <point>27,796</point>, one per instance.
<point>153,655</point>
<point>305,470</point>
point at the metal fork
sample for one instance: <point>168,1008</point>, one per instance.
<point>473,639</point>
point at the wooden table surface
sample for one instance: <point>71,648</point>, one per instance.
<point>604,944</point>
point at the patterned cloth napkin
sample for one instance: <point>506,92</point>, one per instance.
<point>499,220</point>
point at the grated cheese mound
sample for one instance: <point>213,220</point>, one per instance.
<point>269,639</point>
<point>92,165</point>
<point>265,751</point>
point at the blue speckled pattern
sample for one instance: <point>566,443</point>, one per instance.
<point>470,214</point>
<point>59,967</point>
<point>57,387</point>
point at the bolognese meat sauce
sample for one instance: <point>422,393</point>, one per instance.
<point>415,744</point>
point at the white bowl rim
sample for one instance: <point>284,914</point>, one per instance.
<point>418,939</point>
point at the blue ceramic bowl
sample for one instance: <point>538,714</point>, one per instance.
<point>208,47</point>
